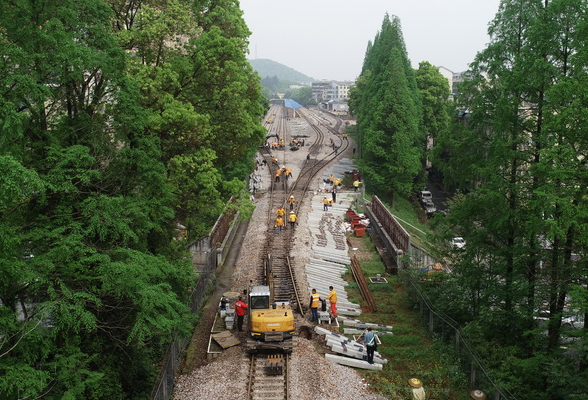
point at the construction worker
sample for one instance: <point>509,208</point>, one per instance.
<point>291,202</point>
<point>325,204</point>
<point>284,173</point>
<point>281,211</point>
<point>289,172</point>
<point>292,219</point>
<point>278,173</point>
<point>314,303</point>
<point>332,179</point>
<point>370,340</point>
<point>279,224</point>
<point>356,185</point>
<point>240,311</point>
<point>332,297</point>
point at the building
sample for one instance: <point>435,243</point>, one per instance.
<point>454,78</point>
<point>337,107</point>
<point>331,90</point>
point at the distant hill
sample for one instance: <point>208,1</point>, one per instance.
<point>268,68</point>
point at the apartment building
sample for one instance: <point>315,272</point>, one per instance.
<point>331,90</point>
<point>454,78</point>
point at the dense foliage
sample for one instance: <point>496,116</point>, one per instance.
<point>388,107</point>
<point>118,120</point>
<point>517,148</point>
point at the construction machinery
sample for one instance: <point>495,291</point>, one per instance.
<point>271,321</point>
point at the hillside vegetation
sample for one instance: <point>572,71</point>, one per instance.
<point>268,68</point>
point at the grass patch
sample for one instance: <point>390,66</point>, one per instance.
<point>412,218</point>
<point>410,351</point>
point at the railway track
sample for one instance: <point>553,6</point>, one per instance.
<point>268,377</point>
<point>279,245</point>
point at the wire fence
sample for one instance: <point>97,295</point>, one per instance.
<point>438,325</point>
<point>444,328</point>
<point>215,248</point>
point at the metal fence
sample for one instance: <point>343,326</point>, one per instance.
<point>206,271</point>
<point>444,328</point>
<point>400,237</point>
<point>165,382</point>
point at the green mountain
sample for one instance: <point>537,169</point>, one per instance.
<point>268,68</point>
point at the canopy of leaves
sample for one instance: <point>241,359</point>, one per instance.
<point>517,147</point>
<point>389,114</point>
<point>118,120</point>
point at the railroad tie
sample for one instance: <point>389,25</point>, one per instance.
<point>274,364</point>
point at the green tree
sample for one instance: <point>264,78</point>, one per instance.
<point>302,96</point>
<point>387,104</point>
<point>91,278</point>
<point>519,154</point>
<point>204,100</point>
<point>434,90</point>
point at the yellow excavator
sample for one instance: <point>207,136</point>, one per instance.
<point>271,323</point>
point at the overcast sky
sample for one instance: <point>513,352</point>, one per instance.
<point>327,39</point>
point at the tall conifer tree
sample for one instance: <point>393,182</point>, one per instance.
<point>388,109</point>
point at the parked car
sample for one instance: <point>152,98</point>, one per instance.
<point>429,207</point>
<point>425,195</point>
<point>458,242</point>
<point>573,321</point>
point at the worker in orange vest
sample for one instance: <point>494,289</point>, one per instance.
<point>325,204</point>
<point>278,173</point>
<point>291,201</point>
<point>314,303</point>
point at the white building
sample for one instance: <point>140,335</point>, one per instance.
<point>331,90</point>
<point>454,78</point>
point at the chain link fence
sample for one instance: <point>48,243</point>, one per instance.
<point>444,328</point>
<point>438,325</point>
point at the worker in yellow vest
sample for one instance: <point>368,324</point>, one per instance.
<point>332,297</point>
<point>279,224</point>
<point>292,219</point>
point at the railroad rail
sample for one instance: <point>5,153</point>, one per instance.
<point>279,245</point>
<point>268,377</point>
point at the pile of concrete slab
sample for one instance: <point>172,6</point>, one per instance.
<point>349,352</point>
<point>356,327</point>
<point>330,256</point>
